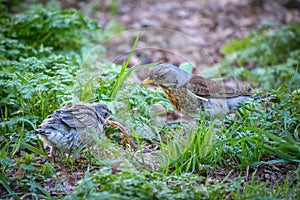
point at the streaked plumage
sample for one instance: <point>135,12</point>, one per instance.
<point>73,126</point>
<point>192,94</point>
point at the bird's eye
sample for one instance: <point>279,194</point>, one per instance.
<point>106,115</point>
<point>162,75</point>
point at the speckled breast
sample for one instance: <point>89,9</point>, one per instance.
<point>182,101</point>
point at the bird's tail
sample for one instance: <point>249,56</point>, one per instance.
<point>237,102</point>
<point>269,98</point>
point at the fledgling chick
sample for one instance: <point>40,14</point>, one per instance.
<point>73,126</point>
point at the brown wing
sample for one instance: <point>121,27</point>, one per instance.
<point>79,116</point>
<point>207,88</point>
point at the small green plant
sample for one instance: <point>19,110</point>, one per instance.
<point>152,185</point>
<point>268,58</point>
<point>133,184</point>
<point>263,128</point>
<point>189,148</point>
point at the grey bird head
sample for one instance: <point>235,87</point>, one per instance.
<point>102,110</point>
<point>168,75</point>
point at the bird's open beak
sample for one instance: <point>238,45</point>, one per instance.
<point>147,81</point>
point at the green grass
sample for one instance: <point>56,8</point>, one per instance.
<point>268,58</point>
<point>40,75</point>
<point>151,185</point>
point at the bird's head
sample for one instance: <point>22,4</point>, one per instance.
<point>167,75</point>
<point>102,110</point>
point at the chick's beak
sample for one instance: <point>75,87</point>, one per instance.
<point>147,81</point>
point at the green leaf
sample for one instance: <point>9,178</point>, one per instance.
<point>27,167</point>
<point>33,149</point>
<point>121,77</point>
<point>188,67</point>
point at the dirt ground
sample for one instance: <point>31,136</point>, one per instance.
<point>192,30</point>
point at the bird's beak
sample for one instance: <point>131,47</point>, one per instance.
<point>147,81</point>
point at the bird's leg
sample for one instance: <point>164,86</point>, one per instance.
<point>123,142</point>
<point>52,153</point>
<point>80,154</point>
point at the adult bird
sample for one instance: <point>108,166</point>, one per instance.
<point>192,94</point>
<point>75,126</point>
